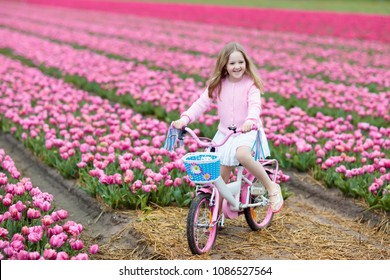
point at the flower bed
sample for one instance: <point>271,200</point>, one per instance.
<point>161,88</point>
<point>115,152</point>
<point>30,227</point>
<point>312,23</point>
<point>340,148</point>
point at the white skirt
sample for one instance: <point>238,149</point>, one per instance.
<point>227,152</point>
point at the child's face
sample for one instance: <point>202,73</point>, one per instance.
<point>236,66</point>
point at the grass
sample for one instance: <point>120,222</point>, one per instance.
<point>350,6</point>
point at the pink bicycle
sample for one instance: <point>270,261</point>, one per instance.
<point>243,196</point>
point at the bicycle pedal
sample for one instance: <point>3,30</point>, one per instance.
<point>221,220</point>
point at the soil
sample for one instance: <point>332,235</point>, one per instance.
<point>315,223</point>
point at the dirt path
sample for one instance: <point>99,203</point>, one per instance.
<point>316,223</point>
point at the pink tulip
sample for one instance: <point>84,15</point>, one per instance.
<point>146,188</point>
<point>45,206</point>
<point>62,256</point>
<point>9,251</point>
<point>33,214</point>
<point>177,182</point>
<point>76,244</point>
<point>35,237</point>
<point>164,171</point>
<point>81,256</point>
<point>168,183</point>
<point>158,177</point>
<point>106,180</point>
<point>74,229</point>
<point>3,244</point>
<point>81,164</point>
<point>7,201</point>
<point>50,254</point>
<point>93,249</point>
<point>20,206</point>
<point>47,220</point>
<point>341,169</point>
<point>57,229</point>
<point>58,240</point>
<point>17,245</point>
<point>34,256</point>
<point>18,236</point>
<point>63,214</point>
<point>3,179</point>
<point>129,176</point>
<point>117,179</point>
<point>23,255</point>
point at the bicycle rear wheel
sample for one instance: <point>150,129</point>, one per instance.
<point>258,217</point>
<point>201,233</point>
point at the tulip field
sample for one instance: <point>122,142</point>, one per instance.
<point>37,230</point>
<point>92,94</point>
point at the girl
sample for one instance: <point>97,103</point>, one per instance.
<point>236,87</point>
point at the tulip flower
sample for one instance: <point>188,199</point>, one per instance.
<point>62,256</point>
<point>93,249</point>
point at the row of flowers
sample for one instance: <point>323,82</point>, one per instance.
<point>274,47</point>
<point>116,153</point>
<point>30,226</point>
<point>161,88</point>
<point>336,64</point>
<point>108,154</point>
<point>311,23</point>
<point>134,28</point>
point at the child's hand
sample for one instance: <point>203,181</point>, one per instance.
<point>247,126</point>
<point>179,124</point>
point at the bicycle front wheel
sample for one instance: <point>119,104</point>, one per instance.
<point>258,217</point>
<point>201,232</point>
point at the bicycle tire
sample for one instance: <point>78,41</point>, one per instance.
<point>258,217</point>
<point>200,236</point>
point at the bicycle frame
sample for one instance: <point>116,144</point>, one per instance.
<point>237,193</point>
<point>242,196</point>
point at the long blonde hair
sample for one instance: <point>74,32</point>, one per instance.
<point>220,72</point>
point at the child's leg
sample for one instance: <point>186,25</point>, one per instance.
<point>244,156</point>
<point>225,174</point>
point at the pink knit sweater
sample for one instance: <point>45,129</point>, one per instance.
<point>240,101</point>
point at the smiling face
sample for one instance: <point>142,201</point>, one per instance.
<point>236,66</point>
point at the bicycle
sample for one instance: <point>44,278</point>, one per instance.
<point>243,196</point>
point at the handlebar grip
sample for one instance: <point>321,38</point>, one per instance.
<point>182,132</point>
